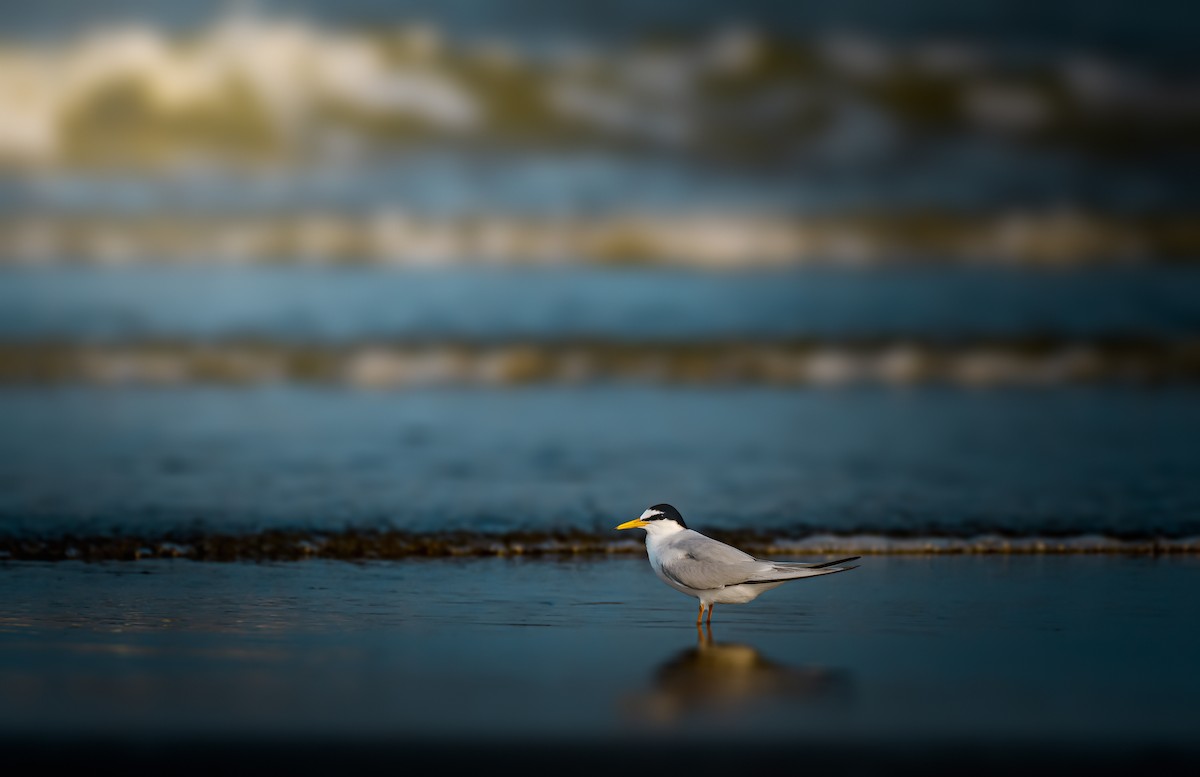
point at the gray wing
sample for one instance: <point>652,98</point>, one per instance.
<point>792,570</point>
<point>806,565</point>
<point>703,563</point>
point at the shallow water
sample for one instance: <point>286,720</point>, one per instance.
<point>1020,651</point>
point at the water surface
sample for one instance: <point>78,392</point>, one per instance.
<point>1080,652</point>
<point>322,304</point>
<point>932,462</point>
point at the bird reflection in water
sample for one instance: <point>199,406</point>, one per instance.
<point>726,678</point>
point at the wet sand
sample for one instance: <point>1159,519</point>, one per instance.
<point>909,663</point>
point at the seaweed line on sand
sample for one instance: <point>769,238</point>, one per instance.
<point>356,545</point>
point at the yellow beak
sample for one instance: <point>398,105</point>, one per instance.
<point>634,524</point>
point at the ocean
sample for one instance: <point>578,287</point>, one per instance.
<point>336,339</point>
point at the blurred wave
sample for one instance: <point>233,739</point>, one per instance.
<point>251,89</point>
<point>699,238</point>
<point>1018,363</point>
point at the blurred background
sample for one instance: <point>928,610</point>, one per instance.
<point>518,266</point>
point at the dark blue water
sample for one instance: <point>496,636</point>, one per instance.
<point>1081,655</point>
<point>322,304</point>
<point>788,463</point>
<point>972,174</point>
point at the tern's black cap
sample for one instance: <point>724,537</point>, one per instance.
<point>668,513</point>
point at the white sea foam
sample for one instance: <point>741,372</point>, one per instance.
<point>401,366</point>
<point>264,85</point>
<point>983,544</point>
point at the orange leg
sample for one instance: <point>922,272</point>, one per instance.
<point>700,615</point>
<point>711,607</point>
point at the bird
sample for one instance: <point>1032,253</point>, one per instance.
<point>710,570</point>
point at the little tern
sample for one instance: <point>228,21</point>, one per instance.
<point>711,571</point>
